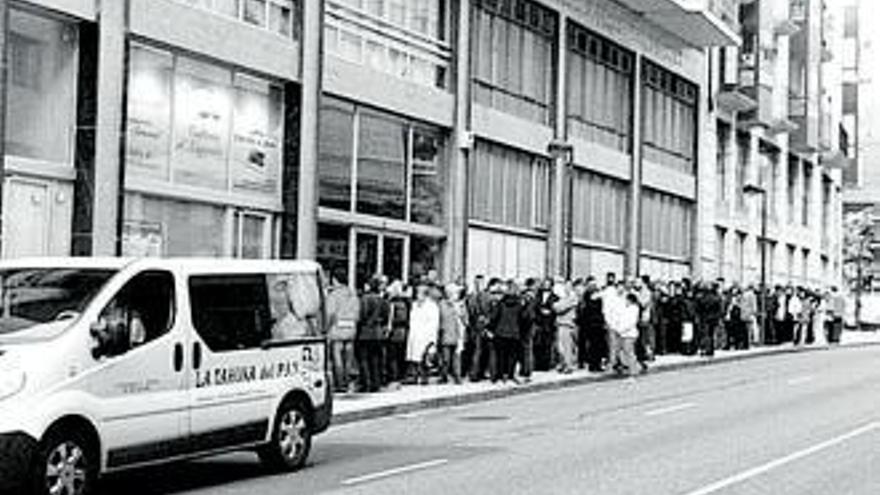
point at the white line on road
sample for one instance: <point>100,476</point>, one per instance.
<point>670,409</point>
<point>763,468</point>
<point>800,380</point>
<point>395,471</point>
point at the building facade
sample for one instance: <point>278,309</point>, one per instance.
<point>776,126</point>
<point>509,138</point>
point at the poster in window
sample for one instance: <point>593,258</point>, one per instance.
<point>201,131</point>
<point>142,239</point>
<point>256,140</point>
<point>147,143</point>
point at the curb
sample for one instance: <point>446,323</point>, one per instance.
<point>576,381</point>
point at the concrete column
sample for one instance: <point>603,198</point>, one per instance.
<point>307,217</point>
<point>4,77</point>
<point>633,234</point>
<point>558,188</point>
<point>110,127</point>
<point>455,264</point>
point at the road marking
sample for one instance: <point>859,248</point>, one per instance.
<point>800,380</point>
<point>670,409</point>
<point>395,471</point>
<point>763,468</point>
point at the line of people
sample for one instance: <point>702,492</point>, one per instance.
<point>392,334</point>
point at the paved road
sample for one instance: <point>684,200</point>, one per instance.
<point>806,423</point>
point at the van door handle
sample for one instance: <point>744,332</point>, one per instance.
<point>178,357</point>
<point>197,355</point>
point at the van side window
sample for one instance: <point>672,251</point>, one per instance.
<point>230,312</point>
<point>297,305</point>
<point>142,311</point>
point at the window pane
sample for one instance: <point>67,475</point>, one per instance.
<point>203,107</point>
<point>349,46</point>
<point>425,255</point>
<point>428,174</point>
<point>255,12</point>
<point>332,250</point>
<point>367,258</point>
<point>253,240</point>
<point>336,139</point>
<point>141,311</point>
<point>40,100</point>
<point>381,166</point>
<point>281,18</point>
<point>231,312</point>
<point>175,228</point>
<point>148,138</point>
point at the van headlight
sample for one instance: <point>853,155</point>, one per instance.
<point>11,382</point>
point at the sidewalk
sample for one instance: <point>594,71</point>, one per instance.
<point>349,408</point>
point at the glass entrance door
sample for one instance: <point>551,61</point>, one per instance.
<point>379,253</point>
<point>366,259</point>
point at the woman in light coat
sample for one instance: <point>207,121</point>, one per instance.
<point>424,326</point>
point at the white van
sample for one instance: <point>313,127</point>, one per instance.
<point>110,364</point>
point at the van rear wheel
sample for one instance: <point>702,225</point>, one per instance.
<point>291,439</point>
<point>65,464</point>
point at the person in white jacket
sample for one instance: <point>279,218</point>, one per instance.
<point>624,324</point>
<point>424,326</point>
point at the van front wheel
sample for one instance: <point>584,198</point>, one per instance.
<point>291,439</point>
<point>65,464</point>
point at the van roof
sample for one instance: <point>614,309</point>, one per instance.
<point>118,263</point>
<point>96,262</point>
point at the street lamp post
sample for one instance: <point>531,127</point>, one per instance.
<point>756,189</point>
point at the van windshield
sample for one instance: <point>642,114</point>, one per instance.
<point>30,297</point>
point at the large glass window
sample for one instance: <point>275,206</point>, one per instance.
<point>508,187</point>
<point>791,188</point>
<point>428,181</point>
<point>332,250</point>
<point>336,141</point>
<point>401,171</point>
<point>381,165</point>
<point>600,78</point>
<point>722,157</point>
<point>167,227</point>
<point>669,118</point>
<point>667,224</point>
<point>744,146</point>
<point>227,127</point>
<point>807,202</point>
<point>41,104</point>
<point>512,52</point>
<point>600,208</point>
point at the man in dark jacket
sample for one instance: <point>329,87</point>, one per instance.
<point>545,326</point>
<point>593,327</point>
<point>710,311</point>
<point>529,329</point>
<point>480,306</point>
<point>506,324</point>
<point>372,333</point>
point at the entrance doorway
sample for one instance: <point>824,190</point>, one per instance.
<point>379,253</point>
